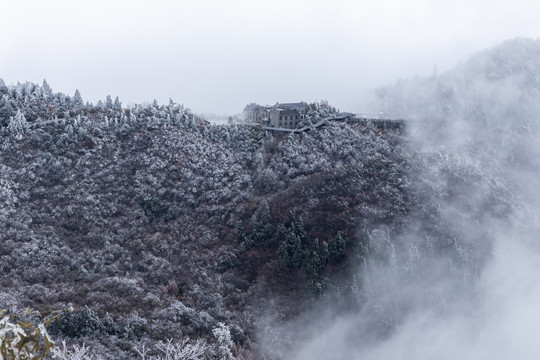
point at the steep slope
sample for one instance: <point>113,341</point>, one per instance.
<point>463,266</point>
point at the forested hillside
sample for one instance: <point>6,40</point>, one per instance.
<point>448,283</point>
<point>151,224</point>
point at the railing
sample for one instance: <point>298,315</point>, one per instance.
<point>377,121</point>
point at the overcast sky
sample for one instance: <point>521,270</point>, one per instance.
<point>215,56</point>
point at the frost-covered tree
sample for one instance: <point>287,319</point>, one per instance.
<point>262,229</point>
<point>171,350</point>
<point>109,102</point>
<point>336,247</point>
<point>18,124</point>
<point>46,88</point>
<point>117,104</point>
<point>6,110</point>
<point>3,88</point>
<point>77,100</point>
<point>224,342</point>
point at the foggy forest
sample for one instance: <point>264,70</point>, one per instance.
<point>145,231</point>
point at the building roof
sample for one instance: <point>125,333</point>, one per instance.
<point>301,106</point>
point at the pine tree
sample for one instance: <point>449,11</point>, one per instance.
<point>17,124</point>
<point>295,250</point>
<point>299,230</point>
<point>240,232</point>
<point>3,87</point>
<point>47,91</point>
<point>224,342</point>
<point>284,261</point>
<point>336,247</point>
<point>325,254</point>
<point>314,262</point>
<point>108,102</point>
<point>117,104</point>
<point>6,110</point>
<point>265,217</point>
<point>262,229</point>
<point>77,100</point>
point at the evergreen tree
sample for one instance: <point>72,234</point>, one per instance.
<point>295,250</point>
<point>299,230</point>
<point>17,124</point>
<point>265,217</point>
<point>77,100</point>
<point>240,232</point>
<point>108,102</point>
<point>324,252</point>
<point>59,103</point>
<point>117,104</point>
<point>262,229</point>
<point>314,263</point>
<point>3,87</point>
<point>109,326</point>
<point>336,247</point>
<point>47,91</point>
<point>6,110</point>
<point>284,261</point>
<point>224,342</point>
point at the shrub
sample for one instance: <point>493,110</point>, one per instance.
<point>24,339</point>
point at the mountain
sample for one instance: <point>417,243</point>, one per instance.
<point>451,281</point>
<point>497,87</point>
<point>151,224</point>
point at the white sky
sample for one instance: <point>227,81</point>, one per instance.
<point>216,56</point>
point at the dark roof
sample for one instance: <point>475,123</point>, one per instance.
<point>301,106</point>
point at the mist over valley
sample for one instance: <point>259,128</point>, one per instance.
<point>308,233</point>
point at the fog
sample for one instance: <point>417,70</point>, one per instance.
<point>501,324</point>
<point>215,57</point>
<point>465,285</point>
<point>464,282</point>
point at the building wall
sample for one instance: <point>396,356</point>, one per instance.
<point>287,116</point>
<point>288,119</point>
<point>255,113</point>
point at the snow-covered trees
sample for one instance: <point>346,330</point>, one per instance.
<point>47,91</point>
<point>6,110</point>
<point>138,207</point>
<point>77,100</point>
<point>117,104</point>
<point>224,342</point>
<point>17,124</point>
<point>109,102</point>
<point>172,350</point>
